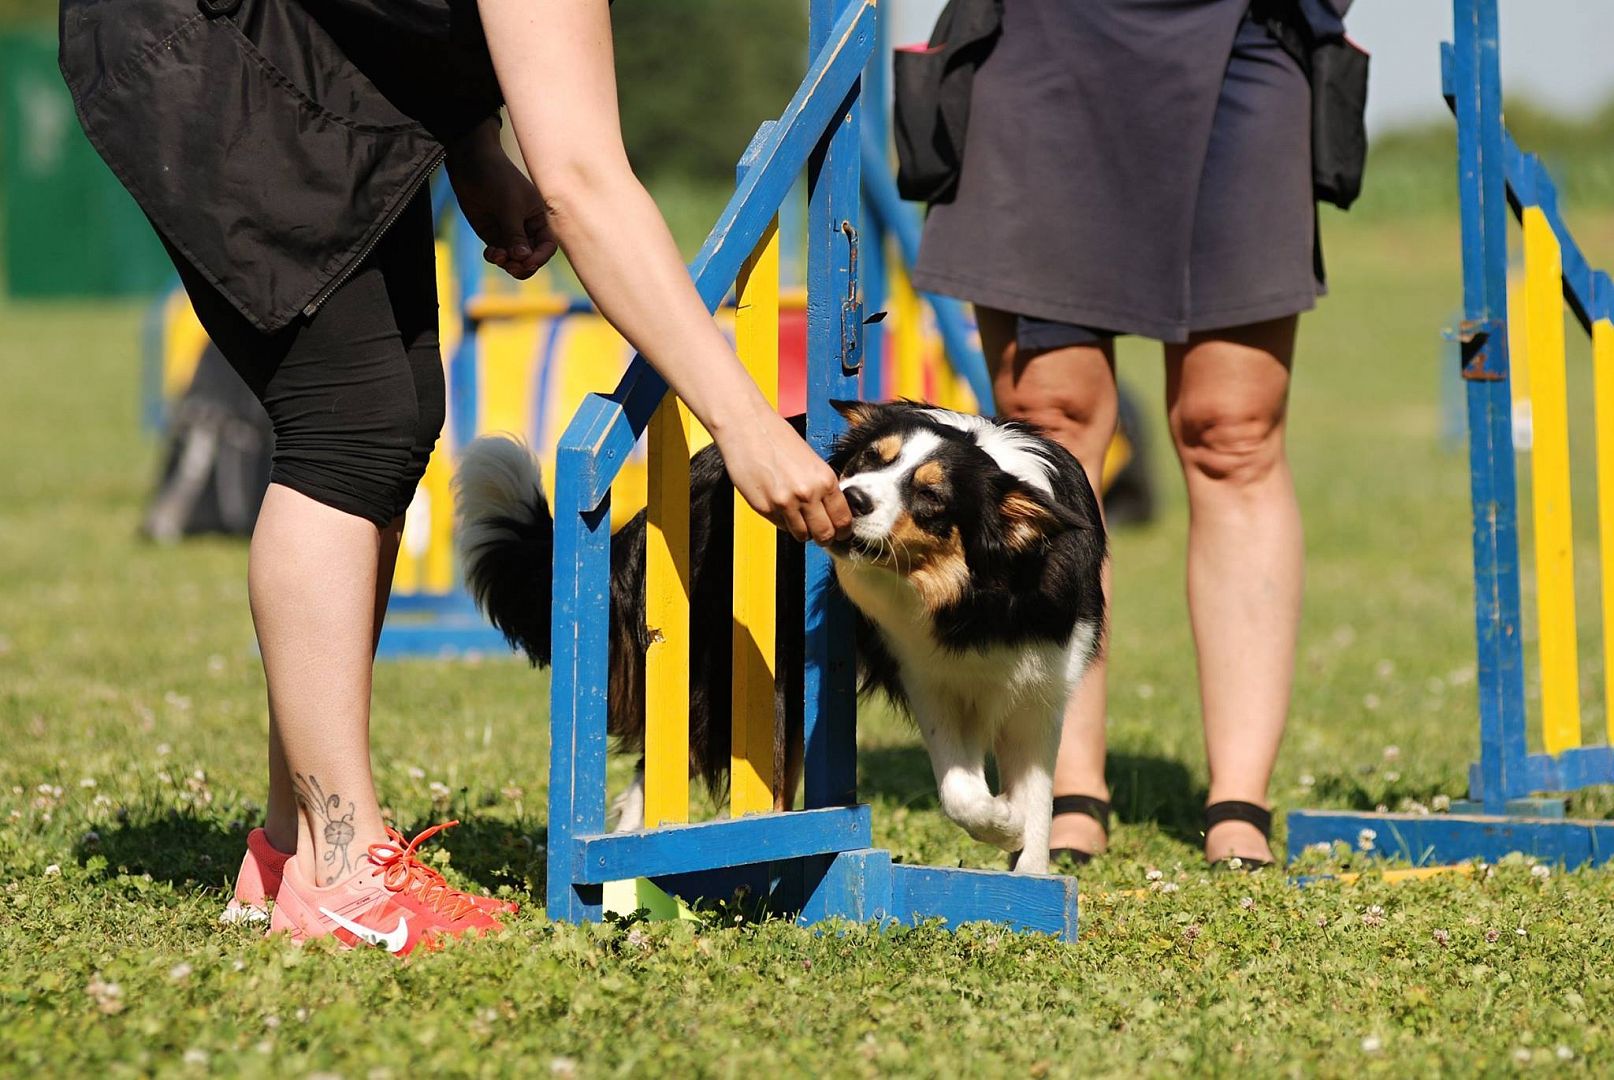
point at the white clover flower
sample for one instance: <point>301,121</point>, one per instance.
<point>1392,753</point>
<point>1440,804</point>
<point>1372,1044</point>
<point>1540,870</point>
<point>196,1056</point>
<point>1563,1053</point>
<point>87,782</point>
<point>179,972</point>
<point>1153,874</point>
<point>1247,903</point>
<point>53,870</point>
<point>416,772</point>
<point>1522,1056</point>
<point>1365,839</point>
<point>1307,780</point>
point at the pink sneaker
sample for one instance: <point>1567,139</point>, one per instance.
<point>400,905</point>
<point>264,865</point>
<point>257,884</point>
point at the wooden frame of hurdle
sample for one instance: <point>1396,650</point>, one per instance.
<point>1515,796</point>
<point>813,863</point>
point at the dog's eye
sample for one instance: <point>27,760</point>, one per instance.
<point>928,499</point>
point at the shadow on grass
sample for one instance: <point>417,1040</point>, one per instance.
<point>194,853</point>
<point>1144,789</point>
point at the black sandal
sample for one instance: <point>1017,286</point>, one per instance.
<point>1095,808</point>
<point>1250,814</point>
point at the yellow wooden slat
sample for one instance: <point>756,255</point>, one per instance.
<point>907,341</point>
<point>1549,470</point>
<point>666,780</point>
<point>756,333</point>
<point>1603,366</point>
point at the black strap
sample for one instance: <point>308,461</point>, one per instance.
<point>1234,810</point>
<point>1095,808</point>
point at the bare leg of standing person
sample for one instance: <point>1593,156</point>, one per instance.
<point>1226,401</point>
<point>280,821</point>
<point>1071,394</point>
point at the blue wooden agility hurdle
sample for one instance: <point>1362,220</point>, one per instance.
<point>817,862</point>
<point>1516,799</point>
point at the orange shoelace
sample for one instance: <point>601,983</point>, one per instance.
<point>401,870</point>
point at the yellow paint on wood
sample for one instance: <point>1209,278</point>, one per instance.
<point>756,332</point>
<point>1603,367</point>
<point>1549,471</point>
<point>667,617</point>
<point>907,341</point>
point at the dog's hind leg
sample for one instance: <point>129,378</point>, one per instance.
<point>958,743</point>
<point>1027,745</point>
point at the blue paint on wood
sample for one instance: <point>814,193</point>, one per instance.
<point>709,845</point>
<point>833,215</point>
<point>1477,101</point>
<point>1031,903</point>
<point>1443,839</point>
<point>441,638</point>
<point>854,885</point>
<point>876,160</point>
<point>581,621</point>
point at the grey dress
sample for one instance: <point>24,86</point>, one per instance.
<point>1136,166</point>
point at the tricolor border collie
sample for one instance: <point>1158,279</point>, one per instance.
<point>974,568</point>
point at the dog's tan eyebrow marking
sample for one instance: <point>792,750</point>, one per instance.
<point>929,474</point>
<point>888,448</point>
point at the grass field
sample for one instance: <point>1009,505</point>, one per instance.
<point>132,715</point>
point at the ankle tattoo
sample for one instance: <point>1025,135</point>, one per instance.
<point>338,829</point>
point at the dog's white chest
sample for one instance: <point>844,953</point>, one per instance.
<point>984,683</point>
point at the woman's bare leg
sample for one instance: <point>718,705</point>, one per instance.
<point>282,813</point>
<point>312,581</point>
<point>1070,393</point>
<point>1226,400</point>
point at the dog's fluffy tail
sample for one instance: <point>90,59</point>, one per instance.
<point>506,539</point>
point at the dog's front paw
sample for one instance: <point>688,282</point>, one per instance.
<point>990,820</point>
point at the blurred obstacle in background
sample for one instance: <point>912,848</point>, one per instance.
<point>1512,356</point>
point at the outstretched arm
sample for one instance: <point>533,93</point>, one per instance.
<point>555,65</point>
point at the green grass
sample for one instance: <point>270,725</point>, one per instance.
<point>132,716</point>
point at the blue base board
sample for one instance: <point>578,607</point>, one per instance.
<point>440,638</point>
<point>866,886</point>
<point>1440,839</point>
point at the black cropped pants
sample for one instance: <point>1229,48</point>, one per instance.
<point>355,391</point>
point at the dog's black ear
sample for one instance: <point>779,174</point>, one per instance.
<point>856,413</point>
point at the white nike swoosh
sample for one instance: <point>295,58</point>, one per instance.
<point>393,942</point>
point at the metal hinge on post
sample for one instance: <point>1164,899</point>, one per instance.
<point>851,308</point>
<point>1476,339</point>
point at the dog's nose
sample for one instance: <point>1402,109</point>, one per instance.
<point>858,500</point>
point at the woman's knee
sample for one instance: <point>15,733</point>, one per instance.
<point>1080,416</point>
<point>354,452</point>
<point>1230,443</point>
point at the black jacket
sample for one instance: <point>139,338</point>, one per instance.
<point>271,143</point>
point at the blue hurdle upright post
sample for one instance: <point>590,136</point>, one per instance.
<point>818,862</point>
<point>1516,797</point>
